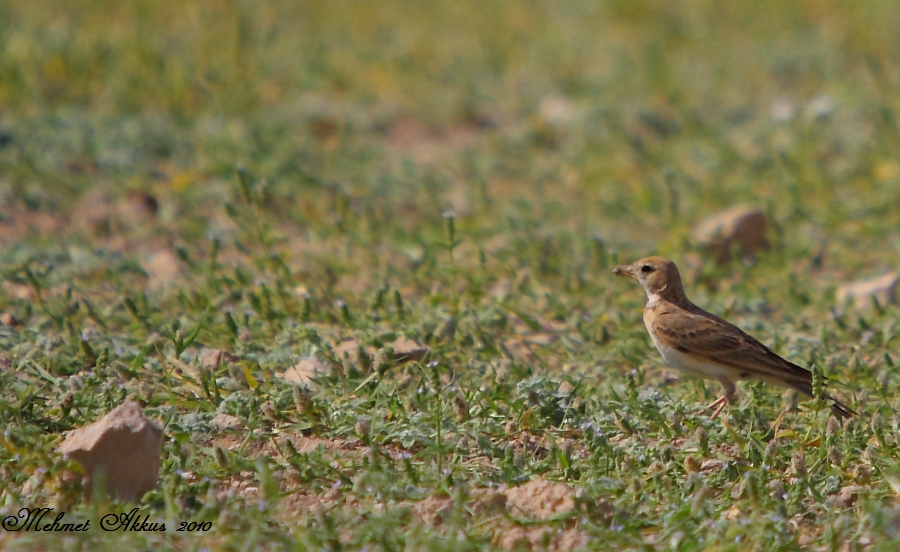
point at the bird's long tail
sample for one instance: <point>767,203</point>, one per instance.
<point>840,409</point>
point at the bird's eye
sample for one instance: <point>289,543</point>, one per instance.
<point>646,269</point>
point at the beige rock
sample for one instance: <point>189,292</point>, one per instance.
<point>211,359</point>
<point>123,446</point>
<point>883,288</point>
<point>712,465</point>
<point>305,371</point>
<point>405,350</point>
<point>743,228</point>
<point>350,349</point>
<point>848,496</point>
<point>227,422</point>
<point>137,206</point>
<point>556,110</point>
<point>733,513</point>
<point>7,319</point>
<point>20,291</point>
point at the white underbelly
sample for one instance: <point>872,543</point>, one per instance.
<point>690,365</point>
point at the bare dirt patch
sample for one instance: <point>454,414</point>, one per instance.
<point>533,516</point>
<point>510,514</point>
<point>18,225</point>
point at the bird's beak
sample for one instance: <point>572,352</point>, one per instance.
<point>624,270</point>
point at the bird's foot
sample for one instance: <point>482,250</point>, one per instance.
<point>718,404</point>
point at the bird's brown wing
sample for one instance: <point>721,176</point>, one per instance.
<point>712,339</point>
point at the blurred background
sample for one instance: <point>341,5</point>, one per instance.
<point>617,120</point>
<point>562,136</point>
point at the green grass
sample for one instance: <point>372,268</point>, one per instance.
<point>403,174</point>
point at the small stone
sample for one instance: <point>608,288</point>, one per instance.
<point>232,384</point>
<point>743,228</point>
<point>733,513</point>
<point>776,489</point>
<point>305,370</point>
<point>820,107</point>
<point>848,495</point>
<point>124,446</point>
<point>691,464</point>
<point>350,349</point>
<point>556,110</point>
<point>782,111</point>
<point>211,359</point>
<point>188,476</point>
<point>138,206</point>
<point>20,291</point>
<point>862,473</point>
<point>406,350</point>
<point>712,465</point>
<point>227,422</point>
<point>883,289</point>
<point>7,319</point>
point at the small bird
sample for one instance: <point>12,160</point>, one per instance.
<point>703,345</point>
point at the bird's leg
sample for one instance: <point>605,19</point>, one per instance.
<point>720,403</point>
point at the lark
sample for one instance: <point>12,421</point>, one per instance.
<point>702,345</point>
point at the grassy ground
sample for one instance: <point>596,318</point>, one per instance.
<point>464,175</point>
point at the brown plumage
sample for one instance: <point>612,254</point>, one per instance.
<point>703,345</point>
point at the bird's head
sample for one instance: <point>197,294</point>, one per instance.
<point>657,275</point>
